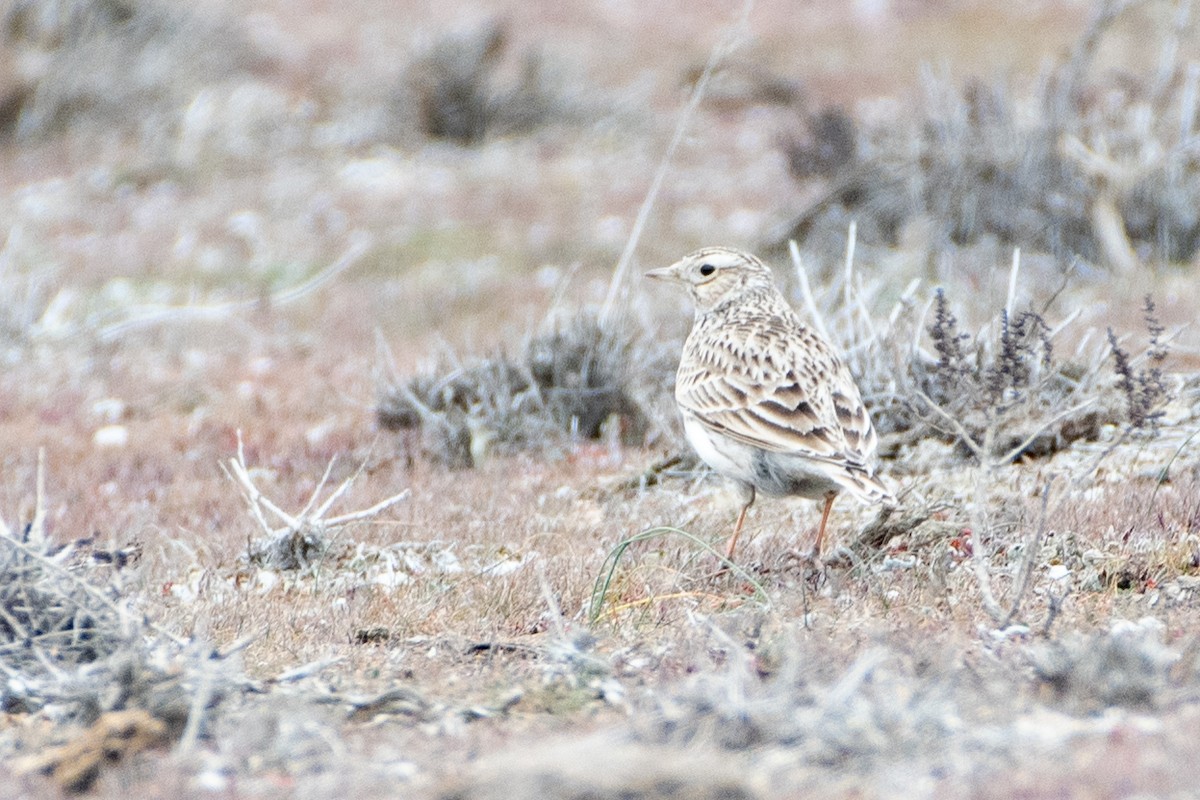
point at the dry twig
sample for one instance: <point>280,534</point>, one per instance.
<point>148,315</point>
<point>303,537</point>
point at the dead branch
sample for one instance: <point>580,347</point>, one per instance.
<point>304,536</point>
<point>145,316</point>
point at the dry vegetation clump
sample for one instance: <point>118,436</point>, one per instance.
<point>1145,390</point>
<point>998,401</point>
<point>1096,167</point>
<point>1004,397</point>
<point>782,714</point>
<point>55,614</point>
<point>576,379</point>
<point>1006,393</point>
<point>99,63</point>
<point>302,538</point>
<point>74,649</point>
<point>463,89</point>
<point>883,706</point>
<point>1127,666</point>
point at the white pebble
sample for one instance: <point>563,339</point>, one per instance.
<point>265,581</point>
<point>1057,572</point>
<point>111,436</point>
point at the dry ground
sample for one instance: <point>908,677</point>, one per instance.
<point>446,644</point>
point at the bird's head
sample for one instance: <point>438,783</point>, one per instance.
<point>715,275</point>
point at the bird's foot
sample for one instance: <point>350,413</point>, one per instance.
<point>805,558</point>
<point>807,563</point>
<point>725,566</point>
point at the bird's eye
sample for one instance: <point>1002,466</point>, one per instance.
<point>707,269</point>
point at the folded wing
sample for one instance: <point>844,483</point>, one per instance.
<point>777,386</point>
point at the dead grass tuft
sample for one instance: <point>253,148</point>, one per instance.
<point>1128,666</point>
<point>574,380</point>
<point>458,89</point>
<point>105,62</point>
<point>73,647</point>
<point>1092,165</point>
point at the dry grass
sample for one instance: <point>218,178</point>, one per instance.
<point>1092,165</point>
<point>96,64</point>
<point>261,266</point>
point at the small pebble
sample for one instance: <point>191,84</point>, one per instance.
<point>111,436</point>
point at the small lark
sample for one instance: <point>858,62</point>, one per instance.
<point>765,400</point>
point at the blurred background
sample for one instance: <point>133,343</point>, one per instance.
<point>155,153</point>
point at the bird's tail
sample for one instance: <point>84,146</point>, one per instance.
<point>867,487</point>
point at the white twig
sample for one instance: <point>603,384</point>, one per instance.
<point>1016,451</point>
<point>341,490</point>
<point>905,301</point>
<point>806,291</point>
<point>312,498</point>
<point>258,500</point>
<point>146,315</point>
<point>200,698</point>
<point>1187,101</point>
<point>1012,282</point>
<point>967,439</point>
<point>1060,327</point>
<point>304,670</point>
<point>382,505</point>
<point>851,240</point>
<point>308,521</point>
<point>37,527</point>
<point>980,525</point>
<point>617,285</point>
<point>1032,550</point>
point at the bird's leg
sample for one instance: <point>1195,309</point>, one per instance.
<point>737,529</point>
<point>816,552</point>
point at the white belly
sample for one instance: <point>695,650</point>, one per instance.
<point>731,459</point>
<point>768,472</point>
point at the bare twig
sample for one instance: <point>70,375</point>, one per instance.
<point>310,524</point>
<point>1032,549</point>
<point>979,561</point>
<point>1055,603</point>
<point>955,425</point>
<point>201,696</point>
<point>848,263</point>
<point>1168,51</point>
<point>366,513</point>
<point>37,527</point>
<point>1013,273</point>
<point>617,286</point>
<point>312,498</point>
<point>144,316</point>
<point>806,291</point>
<point>1012,454</point>
<point>1062,103</point>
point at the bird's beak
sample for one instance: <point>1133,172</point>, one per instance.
<point>670,273</point>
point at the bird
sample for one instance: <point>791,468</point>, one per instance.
<point>766,401</point>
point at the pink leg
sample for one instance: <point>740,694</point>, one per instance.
<point>824,521</point>
<point>737,529</point>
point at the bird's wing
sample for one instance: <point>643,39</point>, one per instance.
<point>775,384</point>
